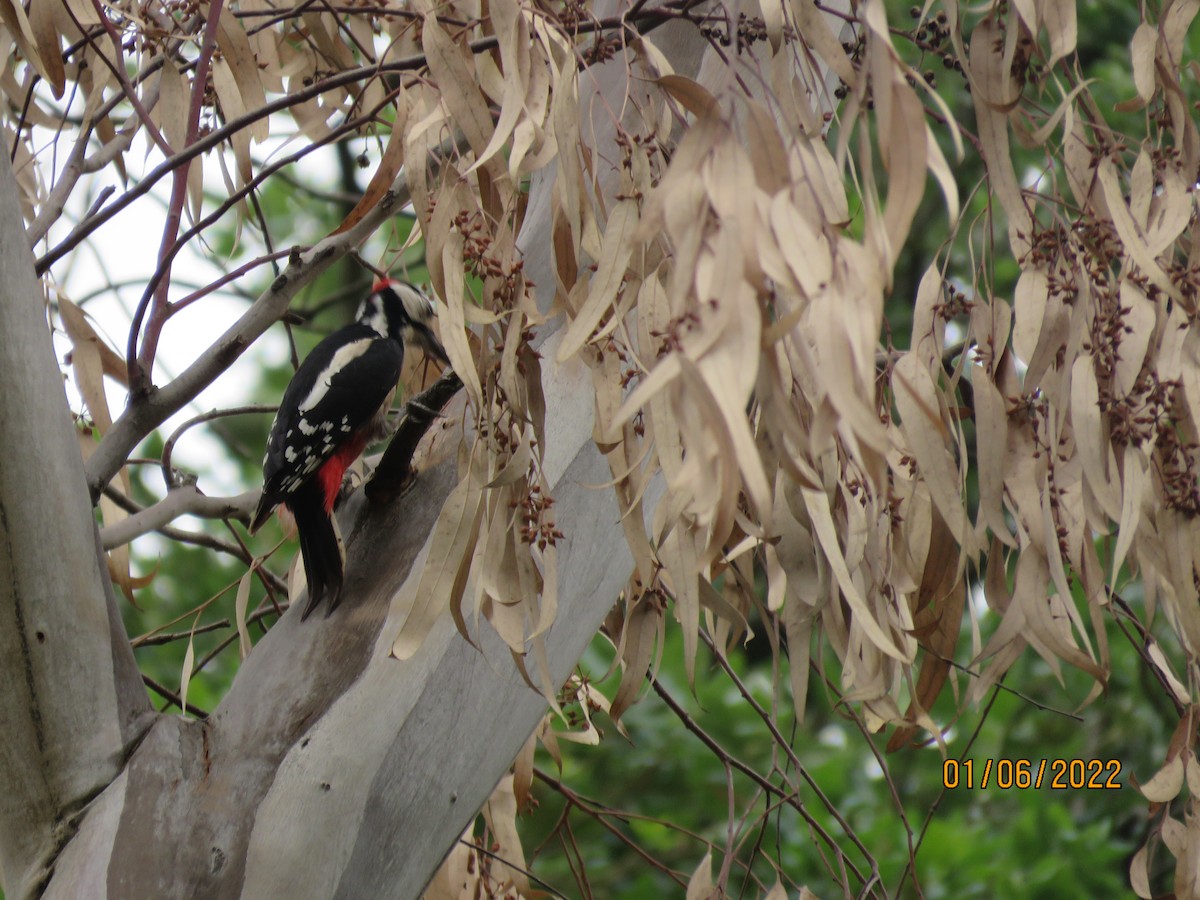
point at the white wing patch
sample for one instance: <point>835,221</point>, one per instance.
<point>341,359</point>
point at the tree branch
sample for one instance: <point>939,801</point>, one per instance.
<point>184,500</point>
<point>118,70</point>
<point>395,468</point>
<point>141,364</point>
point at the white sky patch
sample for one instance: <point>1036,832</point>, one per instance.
<point>978,599</point>
<point>1033,179</point>
<point>832,736</point>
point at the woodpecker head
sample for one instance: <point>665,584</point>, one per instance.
<point>396,309</point>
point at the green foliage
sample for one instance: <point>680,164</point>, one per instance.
<point>666,792</point>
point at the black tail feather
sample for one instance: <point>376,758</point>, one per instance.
<point>262,512</point>
<point>318,546</point>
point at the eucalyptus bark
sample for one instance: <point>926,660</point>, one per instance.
<point>73,704</point>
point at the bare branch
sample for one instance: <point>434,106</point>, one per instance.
<point>172,698</point>
<point>170,477</point>
<point>395,468</point>
<point>56,201</point>
<point>184,500</point>
<point>141,364</point>
<point>791,799</point>
<point>200,539</point>
<point>118,70</point>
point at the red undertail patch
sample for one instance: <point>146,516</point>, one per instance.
<point>329,476</point>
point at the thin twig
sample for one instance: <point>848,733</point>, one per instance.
<point>155,638</point>
<point>170,477</point>
<point>141,364</point>
<point>511,865</point>
<point>172,698</point>
<point>234,275</point>
<point>937,801</point>
<point>785,745</point>
<point>118,70</point>
<point>152,639</point>
<point>792,799</point>
<point>601,814</point>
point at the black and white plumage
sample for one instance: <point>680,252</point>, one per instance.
<point>335,404</point>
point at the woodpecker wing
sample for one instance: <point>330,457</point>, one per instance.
<point>339,391</point>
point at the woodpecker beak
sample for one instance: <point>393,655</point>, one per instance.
<point>423,335</point>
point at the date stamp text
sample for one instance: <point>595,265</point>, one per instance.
<point>1023,774</point>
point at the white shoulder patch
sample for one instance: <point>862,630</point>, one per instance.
<point>341,359</point>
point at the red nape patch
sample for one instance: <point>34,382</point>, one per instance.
<point>381,283</point>
<point>329,476</point>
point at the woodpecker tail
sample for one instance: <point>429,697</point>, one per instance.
<point>318,546</point>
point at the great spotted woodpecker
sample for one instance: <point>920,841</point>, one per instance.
<point>336,403</point>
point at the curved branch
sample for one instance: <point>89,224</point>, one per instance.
<point>395,468</point>
<point>185,500</point>
<point>170,477</point>
<point>140,363</point>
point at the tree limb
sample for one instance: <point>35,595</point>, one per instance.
<point>395,468</point>
<point>73,702</point>
<point>184,500</point>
